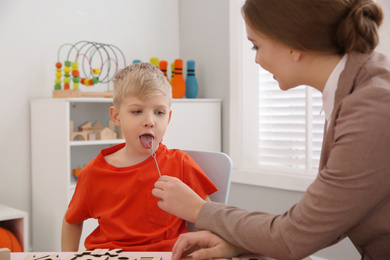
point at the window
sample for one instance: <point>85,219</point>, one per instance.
<point>281,131</point>
<point>289,126</point>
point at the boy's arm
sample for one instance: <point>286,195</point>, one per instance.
<point>70,237</point>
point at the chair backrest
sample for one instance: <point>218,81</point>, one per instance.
<point>218,167</point>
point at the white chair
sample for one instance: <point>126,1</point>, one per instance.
<point>218,167</point>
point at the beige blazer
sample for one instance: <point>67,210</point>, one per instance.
<point>351,194</point>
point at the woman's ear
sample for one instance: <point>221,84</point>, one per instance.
<point>114,114</point>
<point>296,55</point>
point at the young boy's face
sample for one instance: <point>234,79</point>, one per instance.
<point>143,122</point>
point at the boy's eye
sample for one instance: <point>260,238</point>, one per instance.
<point>136,111</point>
<point>255,48</point>
<point>160,112</point>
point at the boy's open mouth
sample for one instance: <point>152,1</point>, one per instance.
<point>147,140</point>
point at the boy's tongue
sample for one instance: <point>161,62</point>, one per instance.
<point>147,141</point>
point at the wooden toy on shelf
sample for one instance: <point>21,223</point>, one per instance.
<point>97,131</point>
<point>91,72</point>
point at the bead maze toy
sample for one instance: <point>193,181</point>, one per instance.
<point>88,63</point>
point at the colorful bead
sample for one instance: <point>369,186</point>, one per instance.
<point>82,81</point>
<point>66,80</point>
<point>87,82</point>
<point>58,81</point>
<point>66,70</point>
<point>96,71</point>
<point>95,80</point>
<point>58,75</point>
<point>75,73</point>
<point>57,86</point>
<point>66,86</point>
<point>75,85</point>
<point>76,79</point>
<point>74,65</point>
<point>58,65</point>
<point>67,63</point>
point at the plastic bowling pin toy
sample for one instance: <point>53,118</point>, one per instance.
<point>164,67</point>
<point>172,71</point>
<point>191,82</point>
<point>154,61</point>
<point>178,83</point>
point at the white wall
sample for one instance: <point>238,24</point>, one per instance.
<point>204,36</point>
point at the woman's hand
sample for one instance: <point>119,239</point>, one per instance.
<point>204,245</point>
<point>177,198</point>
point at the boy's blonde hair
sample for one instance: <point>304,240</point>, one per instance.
<point>142,80</point>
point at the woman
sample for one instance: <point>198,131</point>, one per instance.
<point>328,45</point>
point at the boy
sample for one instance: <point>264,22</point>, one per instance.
<point>116,186</point>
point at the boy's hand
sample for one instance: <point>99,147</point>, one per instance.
<point>204,245</point>
<point>177,198</point>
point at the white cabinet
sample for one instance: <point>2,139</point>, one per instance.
<point>195,125</point>
<point>15,221</point>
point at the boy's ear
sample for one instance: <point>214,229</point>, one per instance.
<point>114,114</point>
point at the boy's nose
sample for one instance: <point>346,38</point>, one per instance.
<point>149,122</point>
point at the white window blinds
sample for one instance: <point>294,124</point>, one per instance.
<point>289,127</point>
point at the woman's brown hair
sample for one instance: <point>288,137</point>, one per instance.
<point>328,26</point>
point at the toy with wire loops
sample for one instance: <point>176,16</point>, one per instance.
<point>88,63</point>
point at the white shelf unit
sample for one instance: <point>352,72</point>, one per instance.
<point>195,125</point>
<point>15,221</point>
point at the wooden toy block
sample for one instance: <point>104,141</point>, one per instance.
<point>97,127</point>
<point>5,254</point>
<point>87,126</point>
<point>106,94</point>
<point>91,136</point>
<point>80,136</point>
<point>66,93</point>
<point>107,134</point>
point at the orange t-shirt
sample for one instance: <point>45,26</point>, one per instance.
<point>121,200</point>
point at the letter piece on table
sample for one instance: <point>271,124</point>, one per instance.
<point>42,257</point>
<point>5,254</point>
